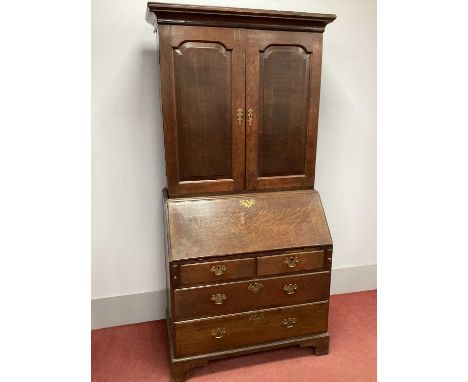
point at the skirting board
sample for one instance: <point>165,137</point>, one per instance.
<point>149,306</point>
<point>353,279</point>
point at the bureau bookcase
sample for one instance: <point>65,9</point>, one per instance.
<point>248,248</point>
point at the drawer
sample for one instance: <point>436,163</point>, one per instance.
<point>290,262</point>
<point>238,330</point>
<point>216,271</point>
<point>219,299</point>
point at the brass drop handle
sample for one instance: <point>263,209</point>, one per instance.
<point>219,298</point>
<point>240,116</point>
<point>291,261</point>
<point>218,333</point>
<point>255,287</point>
<point>289,322</point>
<point>250,116</point>
<point>290,288</point>
<point>218,269</point>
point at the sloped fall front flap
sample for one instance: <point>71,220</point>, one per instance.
<point>244,223</point>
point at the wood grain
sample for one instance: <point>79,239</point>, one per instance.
<point>202,272</point>
<point>302,261</point>
<point>283,89</point>
<point>195,337</point>
<point>250,295</point>
<point>178,14</point>
<point>216,226</point>
<point>202,72</point>
<point>181,366</point>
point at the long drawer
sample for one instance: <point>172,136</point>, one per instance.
<point>214,300</point>
<point>243,329</point>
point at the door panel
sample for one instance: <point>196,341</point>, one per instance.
<point>202,82</point>
<point>204,70</point>
<point>282,112</point>
<point>283,90</point>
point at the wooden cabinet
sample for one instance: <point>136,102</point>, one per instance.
<point>240,106</point>
<point>248,249</point>
<point>254,269</point>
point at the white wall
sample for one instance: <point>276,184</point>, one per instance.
<point>127,152</point>
<point>127,149</point>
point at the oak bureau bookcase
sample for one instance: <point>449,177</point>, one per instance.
<point>248,249</point>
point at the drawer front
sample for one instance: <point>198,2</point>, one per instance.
<point>290,262</point>
<point>217,271</point>
<point>242,296</point>
<point>238,330</point>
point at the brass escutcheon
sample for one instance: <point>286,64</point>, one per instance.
<point>289,322</point>
<point>291,261</point>
<point>290,288</point>
<point>256,317</point>
<point>247,203</point>
<point>250,116</point>
<point>240,114</point>
<point>218,269</point>
<point>218,332</point>
<point>255,287</point>
<point>218,299</point>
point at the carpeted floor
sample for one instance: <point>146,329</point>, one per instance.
<point>139,352</point>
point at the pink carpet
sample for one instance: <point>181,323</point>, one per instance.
<point>139,352</point>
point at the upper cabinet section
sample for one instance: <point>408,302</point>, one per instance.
<point>240,95</point>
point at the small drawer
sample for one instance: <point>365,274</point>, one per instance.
<point>244,329</point>
<point>241,296</point>
<point>216,271</point>
<point>290,262</point>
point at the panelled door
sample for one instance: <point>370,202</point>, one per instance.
<point>282,102</point>
<point>203,97</point>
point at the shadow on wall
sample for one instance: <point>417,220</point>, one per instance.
<point>150,107</point>
<point>150,104</point>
